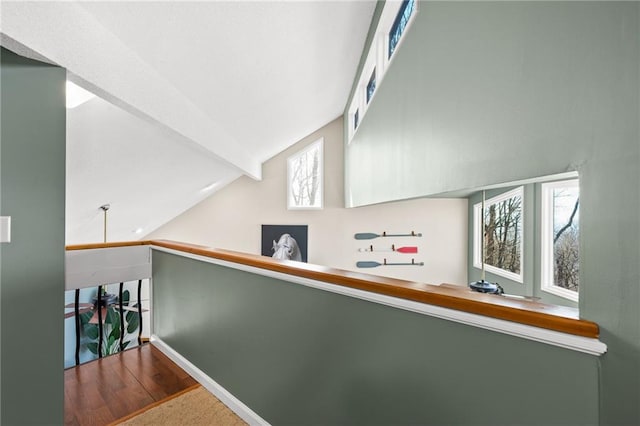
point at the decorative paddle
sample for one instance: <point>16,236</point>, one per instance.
<point>372,264</point>
<point>409,249</point>
<point>371,235</point>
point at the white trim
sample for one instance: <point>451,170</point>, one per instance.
<point>504,273</point>
<point>151,310</point>
<point>237,406</point>
<point>561,292</point>
<point>546,240</point>
<point>477,231</point>
<point>319,145</point>
<point>94,267</point>
<point>5,229</point>
<point>556,338</point>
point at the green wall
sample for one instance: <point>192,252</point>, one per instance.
<point>32,170</point>
<point>483,93</point>
<point>298,355</point>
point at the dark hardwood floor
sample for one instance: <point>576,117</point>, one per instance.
<point>103,391</point>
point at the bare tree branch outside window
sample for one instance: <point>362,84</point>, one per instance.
<point>566,231</point>
<point>305,178</point>
<point>503,234</point>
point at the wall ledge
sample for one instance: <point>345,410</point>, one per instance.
<point>550,324</point>
<point>560,329</point>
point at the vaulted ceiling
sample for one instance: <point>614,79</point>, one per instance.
<point>191,95</point>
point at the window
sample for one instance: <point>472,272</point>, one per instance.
<point>304,178</point>
<point>393,24</point>
<point>371,86</point>
<point>399,25</point>
<point>500,225</point>
<point>560,227</point>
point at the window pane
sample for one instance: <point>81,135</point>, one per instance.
<point>371,86</point>
<point>566,230</point>
<point>399,25</point>
<point>503,234</point>
<point>305,178</point>
<point>356,116</point>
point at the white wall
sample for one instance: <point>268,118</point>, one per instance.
<point>232,218</point>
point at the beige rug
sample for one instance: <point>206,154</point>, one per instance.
<point>194,406</point>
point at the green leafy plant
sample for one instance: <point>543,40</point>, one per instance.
<point>111,328</point>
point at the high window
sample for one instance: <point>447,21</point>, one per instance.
<point>392,27</point>
<point>500,226</point>
<point>560,228</point>
<point>399,25</point>
<point>305,176</point>
<point>371,86</point>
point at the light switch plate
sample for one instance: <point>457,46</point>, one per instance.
<point>5,229</point>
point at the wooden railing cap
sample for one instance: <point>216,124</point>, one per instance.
<point>553,317</point>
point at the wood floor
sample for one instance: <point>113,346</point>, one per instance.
<point>103,391</point>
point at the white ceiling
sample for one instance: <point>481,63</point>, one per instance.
<point>205,92</point>
<point>141,170</point>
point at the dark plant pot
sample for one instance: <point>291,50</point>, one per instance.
<point>483,286</point>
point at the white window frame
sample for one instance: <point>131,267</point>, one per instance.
<point>373,73</point>
<point>478,230</point>
<point>377,58</point>
<point>546,239</point>
<point>319,144</point>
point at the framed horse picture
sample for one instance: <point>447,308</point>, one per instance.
<point>285,242</point>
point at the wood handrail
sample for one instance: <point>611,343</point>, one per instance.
<point>107,245</point>
<point>552,317</point>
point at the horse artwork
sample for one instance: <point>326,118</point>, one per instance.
<point>285,242</point>
<point>286,248</point>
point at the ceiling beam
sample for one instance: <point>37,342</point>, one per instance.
<point>66,34</point>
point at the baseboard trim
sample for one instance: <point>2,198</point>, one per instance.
<point>234,404</point>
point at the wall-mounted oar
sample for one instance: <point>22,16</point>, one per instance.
<point>371,235</point>
<point>408,249</point>
<point>372,264</point>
